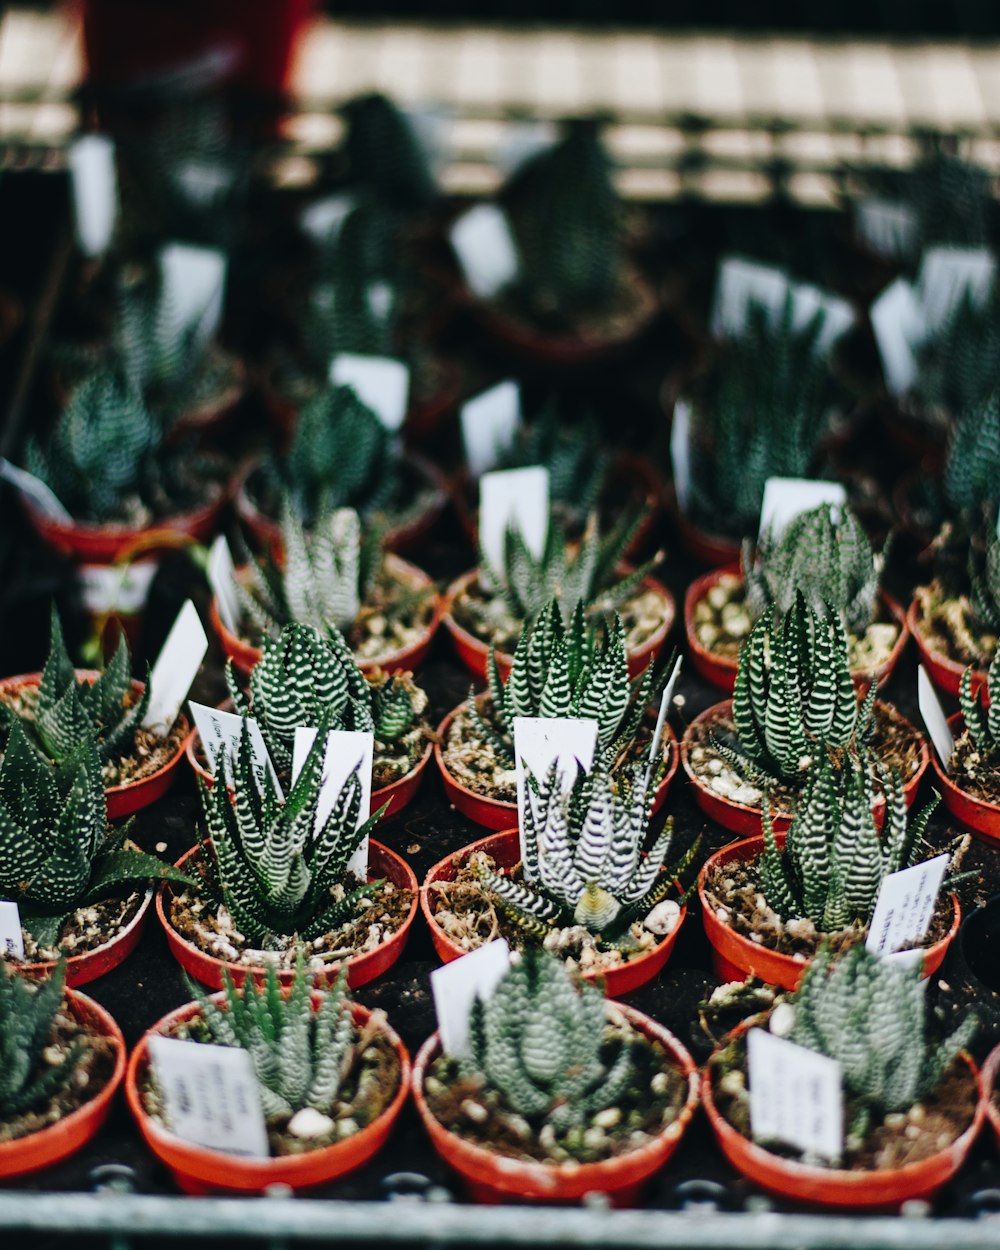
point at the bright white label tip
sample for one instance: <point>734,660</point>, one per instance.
<point>796,1095</point>
<point>490,423</point>
<point>176,668</point>
<point>458,984</point>
<point>381,383</point>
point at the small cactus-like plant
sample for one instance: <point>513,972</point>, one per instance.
<point>984,600</point>
<point>540,1041</point>
<point>835,857</point>
<point>957,367</point>
<point>576,461</point>
<point>270,862</point>
<point>28,1078</point>
<point>822,554</point>
<point>871,1016</point>
<point>971,480</point>
<point>385,155</point>
<point>983,723</point>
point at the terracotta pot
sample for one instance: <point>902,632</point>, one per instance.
<point>978,815</point>
<point>744,818</point>
<point>505,850</point>
<point>944,672</point>
<point>989,1084</point>
<point>245,655</point>
<point>712,549</point>
<point>51,1145</point>
<point>491,1177</point>
<point>886,1189</point>
<point>735,957</point>
<point>132,796</point>
<point>361,968</point>
<point>721,670</point>
<point>499,813</point>
<point>399,794</point>
<point>81,969</point>
<point>473,652</point>
<point>200,1170</point>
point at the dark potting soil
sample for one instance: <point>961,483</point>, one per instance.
<point>973,771</point>
<point>86,929</point>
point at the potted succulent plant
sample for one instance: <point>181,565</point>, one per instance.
<point>564,1093</point>
<point>269,873</point>
<point>578,669</point>
<point>578,879</point>
<point>331,1075</point>
<point>63,1060</point>
<point>305,678</point>
<point>793,698</point>
<point>823,553</point>
<point>970,783</point>
<point>335,575</point>
<point>912,1105</point>
<point>81,889</point>
<point>768,905</point>
<point>61,707</point>
<point>487,609</point>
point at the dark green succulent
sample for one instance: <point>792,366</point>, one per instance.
<point>984,578</point>
<point>28,1009</point>
<point>983,721</point>
<point>959,365</point>
<point>577,462</point>
<point>385,155</point>
<point>971,481</point>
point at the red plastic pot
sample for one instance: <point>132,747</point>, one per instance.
<point>735,957</point>
<point>744,818</point>
<point>361,969</point>
<point>245,655</point>
<point>51,1145</point>
<point>886,1189</point>
<point>505,850</point>
<point>721,670</point>
<point>499,813</point>
<point>132,796</point>
<point>490,1177</point>
<point>944,672</point>
<point>199,1170</point>
<point>399,794</point>
<point>989,1083</point>
<point>473,652</point>
<point>81,969</point>
<point>978,815</point>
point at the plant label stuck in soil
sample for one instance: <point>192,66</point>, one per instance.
<point>518,498</point>
<point>40,496</point>
<point>222,578</point>
<point>786,497</point>
<point>947,276</point>
<point>905,906</point>
<point>194,282</point>
<point>934,717</point>
<point>485,248</point>
<point>490,423</point>
<point>656,743</point>
<point>680,453</point>
<point>322,220</point>
<point>540,740</point>
<point>220,732</point>
<point>382,384</point>
<point>11,937</point>
<point>898,326</point>
<point>176,668</point>
<point>94,191</point>
<point>346,752</point>
<point>796,1095</point>
<point>118,588</point>
<point>458,984</point>
<point>889,228</point>
<point>210,1095</point>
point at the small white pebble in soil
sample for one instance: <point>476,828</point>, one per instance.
<point>894,1121</point>
<point>308,1124</point>
<point>782,1020</point>
<point>160,847</point>
<point>917,1113</point>
<point>594,1138</point>
<point>660,1083</point>
<point>732,1083</point>
<point>475,1111</point>
<point>608,1118</point>
<point>663,918</point>
<point>52,1055</point>
<point>679,700</point>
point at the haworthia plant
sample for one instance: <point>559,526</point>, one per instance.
<point>983,723</point>
<point>971,477</point>
<point>958,365</point>
<point>577,463</point>
<point>385,155</point>
<point>28,1077</point>
<point>984,576</point>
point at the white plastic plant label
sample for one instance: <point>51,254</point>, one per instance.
<point>490,423</point>
<point>898,325</point>
<point>838,314</point>
<point>345,752</point>
<point>118,588</point>
<point>656,743</point>
<point>680,453</point>
<point>888,228</point>
<point>380,382</point>
<point>741,283</point>
<point>949,274</point>
<point>40,496</point>
<point>796,1095</point>
<point>222,579</point>
<point>194,283</point>
<point>458,984</point>
<point>785,497</point>
<point>934,718</point>
<point>220,734</point>
<point>322,220</point>
<point>905,906</point>
<point>210,1095</point>
<point>11,937</point>
<point>540,741</point>
<point>94,191</point>
<point>176,668</point>
<point>485,248</point>
<point>513,497</point>
<point>431,125</point>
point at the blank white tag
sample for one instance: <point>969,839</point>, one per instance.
<point>122,588</point>
<point>796,1095</point>
<point>898,325</point>
<point>485,248</point>
<point>887,227</point>
<point>383,384</point>
<point>905,906</point>
<point>194,282</point>
<point>458,984</point>
<point>934,717</point>
<point>222,579</point>
<point>176,668</point>
<point>220,732</point>
<point>431,125</point>
<point>11,937</point>
<point>345,751</point>
<point>807,301</point>
<point>34,490</point>
<point>655,746</point>
<point>210,1095</point>
<point>94,189</point>
<point>322,220</point>
<point>680,453</point>
<point>513,497</point>
<point>785,497</point>
<point>489,426</point>
<point>741,283</point>
<point>540,740</point>
<point>947,275</point>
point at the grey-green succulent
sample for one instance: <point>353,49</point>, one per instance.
<point>971,479</point>
<point>28,1009</point>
